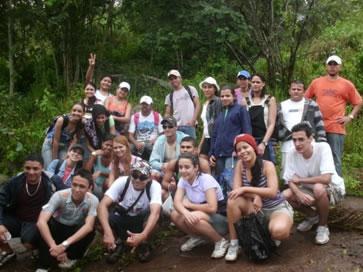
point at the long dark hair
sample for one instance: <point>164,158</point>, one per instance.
<point>98,110</point>
<point>92,100</point>
<point>256,170</point>
<point>263,91</point>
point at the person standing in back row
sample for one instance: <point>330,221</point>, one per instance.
<point>332,93</point>
<point>182,103</point>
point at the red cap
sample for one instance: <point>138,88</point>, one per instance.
<point>245,138</point>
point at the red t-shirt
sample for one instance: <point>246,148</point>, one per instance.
<point>332,96</point>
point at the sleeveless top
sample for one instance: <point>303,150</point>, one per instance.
<point>118,109</point>
<point>262,183</point>
<point>65,137</point>
<point>259,116</point>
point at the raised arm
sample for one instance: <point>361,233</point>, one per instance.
<point>91,67</point>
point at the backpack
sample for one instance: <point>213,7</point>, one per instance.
<point>156,118</point>
<point>254,237</point>
<point>171,98</point>
<point>123,193</point>
<point>52,124</point>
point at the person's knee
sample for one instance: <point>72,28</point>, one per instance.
<point>319,191</point>
<point>280,230</point>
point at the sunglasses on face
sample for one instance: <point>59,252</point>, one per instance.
<point>332,63</point>
<point>167,126</point>
<point>242,78</point>
<point>138,175</point>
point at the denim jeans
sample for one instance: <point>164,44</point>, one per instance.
<point>336,142</point>
<point>188,130</point>
<point>47,152</point>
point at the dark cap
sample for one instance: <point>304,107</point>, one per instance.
<point>169,120</point>
<point>78,146</point>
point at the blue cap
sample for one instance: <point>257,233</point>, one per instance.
<point>244,73</point>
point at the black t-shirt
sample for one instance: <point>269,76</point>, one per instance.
<point>29,204</point>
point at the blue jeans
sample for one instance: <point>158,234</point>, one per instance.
<point>336,142</point>
<point>188,130</point>
<point>47,152</point>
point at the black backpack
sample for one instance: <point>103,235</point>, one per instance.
<point>254,237</point>
<point>171,98</point>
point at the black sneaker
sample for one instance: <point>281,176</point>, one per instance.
<point>115,255</point>
<point>6,257</point>
<point>144,252</point>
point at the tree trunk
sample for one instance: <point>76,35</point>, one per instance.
<point>11,50</point>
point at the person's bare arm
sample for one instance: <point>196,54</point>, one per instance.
<point>108,237</point>
<point>57,135</point>
<point>210,207</point>
<point>91,67</point>
<point>196,110</point>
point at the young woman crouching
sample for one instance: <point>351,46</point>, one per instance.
<point>255,188</point>
<point>196,204</point>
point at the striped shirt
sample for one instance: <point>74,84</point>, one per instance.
<point>262,183</point>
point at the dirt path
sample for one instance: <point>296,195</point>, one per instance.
<point>344,252</point>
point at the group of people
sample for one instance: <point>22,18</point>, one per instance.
<point>102,163</point>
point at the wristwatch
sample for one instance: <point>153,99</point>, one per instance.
<point>351,116</point>
<point>94,153</point>
<point>65,244</point>
<point>265,143</point>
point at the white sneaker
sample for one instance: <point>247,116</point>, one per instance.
<point>68,264</point>
<point>220,248</point>
<point>277,243</point>
<point>322,235</point>
<point>41,270</point>
<point>232,253</point>
<point>191,243</point>
<point>308,223</point>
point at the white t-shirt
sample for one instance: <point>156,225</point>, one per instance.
<point>183,105</point>
<point>203,116</point>
<point>101,97</point>
<point>146,129</point>
<point>321,162</point>
<point>292,113</point>
<point>131,195</point>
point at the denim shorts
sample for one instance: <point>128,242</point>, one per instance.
<point>219,223</point>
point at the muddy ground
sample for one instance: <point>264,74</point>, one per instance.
<point>344,252</point>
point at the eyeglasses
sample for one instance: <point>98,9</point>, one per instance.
<point>138,175</point>
<point>169,126</point>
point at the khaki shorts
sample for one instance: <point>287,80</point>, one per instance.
<point>283,207</point>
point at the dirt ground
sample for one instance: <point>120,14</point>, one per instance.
<point>344,252</point>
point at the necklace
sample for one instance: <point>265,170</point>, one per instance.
<point>27,189</point>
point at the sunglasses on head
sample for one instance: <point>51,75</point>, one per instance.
<point>140,176</point>
<point>167,126</point>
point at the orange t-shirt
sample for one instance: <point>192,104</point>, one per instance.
<point>332,97</point>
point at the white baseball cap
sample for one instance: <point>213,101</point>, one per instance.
<point>174,73</point>
<point>146,99</point>
<point>124,84</point>
<point>211,81</point>
<point>335,58</point>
